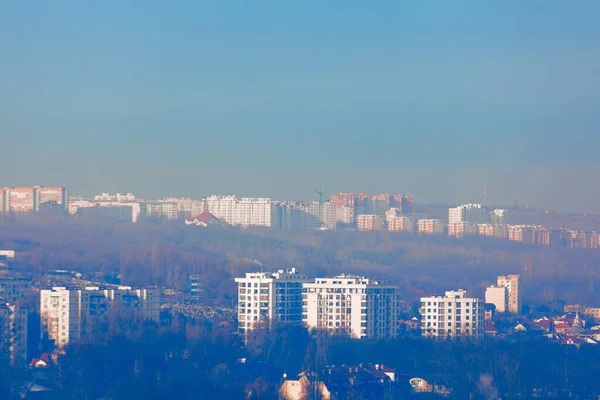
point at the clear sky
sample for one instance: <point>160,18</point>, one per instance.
<point>274,98</point>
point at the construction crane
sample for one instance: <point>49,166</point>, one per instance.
<point>319,191</point>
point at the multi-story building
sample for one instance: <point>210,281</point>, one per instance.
<point>161,211</point>
<point>22,201</point>
<point>498,296</point>
<point>472,213</point>
<point>115,197</point>
<point>13,332</point>
<point>244,212</point>
<point>14,289</point>
<point>400,223</point>
<point>196,284</point>
<point>357,306</point>
<point>460,229</point>
<point>511,283</point>
<point>369,222</point>
<point>67,314</point>
<point>55,195</point>
<point>268,297</point>
<point>453,315</point>
<point>122,212</point>
<point>498,217</point>
<point>344,215</point>
<point>222,207</point>
<point>430,226</point>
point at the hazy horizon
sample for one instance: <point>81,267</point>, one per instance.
<point>274,99</point>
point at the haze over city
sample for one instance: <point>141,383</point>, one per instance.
<point>274,99</point>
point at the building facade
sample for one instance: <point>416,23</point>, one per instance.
<point>453,315</point>
<point>67,314</point>
<point>352,305</point>
<point>369,222</point>
<point>266,297</point>
<point>13,332</point>
<point>498,296</point>
<point>511,283</point>
<point>430,227</point>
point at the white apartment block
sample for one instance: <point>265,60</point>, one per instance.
<point>115,197</point>
<point>345,215</point>
<point>67,314</point>
<point>369,222</point>
<point>511,283</point>
<point>14,289</point>
<point>244,212</point>
<point>453,315</point>
<point>13,332</point>
<point>430,226</point>
<point>269,297</point>
<point>357,306</point>
<point>498,296</point>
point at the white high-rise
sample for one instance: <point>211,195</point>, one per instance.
<point>357,306</point>
<point>68,313</point>
<point>269,297</point>
<point>511,283</point>
<point>452,315</point>
<point>246,211</point>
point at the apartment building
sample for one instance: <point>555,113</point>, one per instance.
<point>498,296</point>
<point>430,226</point>
<point>26,201</point>
<point>244,212</point>
<point>14,289</point>
<point>460,229</point>
<point>353,305</point>
<point>472,213</point>
<point>344,214</point>
<point>13,332</point>
<point>511,283</point>
<point>369,222</point>
<point>453,315</point>
<point>115,197</point>
<point>160,211</point>
<point>400,223</point>
<point>275,296</point>
<point>498,217</point>
<point>68,313</point>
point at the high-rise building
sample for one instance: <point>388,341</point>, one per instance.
<point>196,284</point>
<point>15,289</point>
<point>266,297</point>
<point>430,226</point>
<point>56,195</point>
<point>472,213</point>
<point>344,215</point>
<point>452,315</point>
<point>67,314</point>
<point>160,211</point>
<point>22,201</point>
<point>369,222</point>
<point>498,217</point>
<point>13,332</point>
<point>397,222</point>
<point>511,283</point>
<point>244,212</point>
<point>498,296</point>
<point>356,306</point>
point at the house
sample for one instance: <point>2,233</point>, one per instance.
<point>490,329</point>
<point>202,220</point>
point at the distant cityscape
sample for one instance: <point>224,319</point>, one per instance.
<point>342,211</point>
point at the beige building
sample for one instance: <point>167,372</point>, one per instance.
<point>430,226</point>
<point>460,229</point>
<point>498,296</point>
<point>511,283</point>
<point>369,222</point>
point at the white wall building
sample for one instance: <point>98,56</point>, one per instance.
<point>511,283</point>
<point>66,314</point>
<point>452,315</point>
<point>455,214</point>
<point>498,296</point>
<point>246,211</point>
<point>357,306</point>
<point>345,215</point>
<point>266,296</point>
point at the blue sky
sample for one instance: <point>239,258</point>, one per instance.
<point>275,98</point>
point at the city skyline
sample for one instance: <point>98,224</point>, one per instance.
<point>250,100</point>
